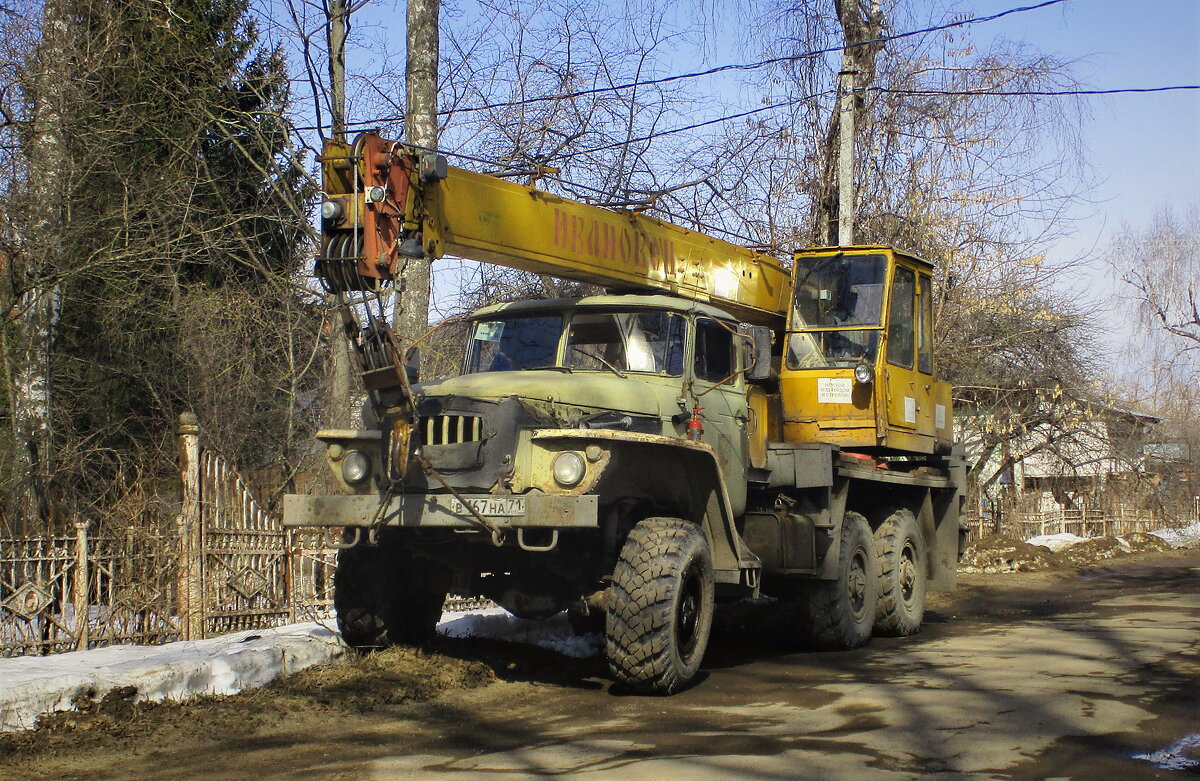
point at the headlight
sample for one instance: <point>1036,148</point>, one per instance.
<point>864,374</point>
<point>376,194</point>
<point>568,469</point>
<point>356,467</point>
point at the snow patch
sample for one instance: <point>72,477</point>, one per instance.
<point>1176,538</point>
<point>1179,538</point>
<point>1183,754</point>
<point>31,686</point>
<point>1056,542</point>
<point>497,623</point>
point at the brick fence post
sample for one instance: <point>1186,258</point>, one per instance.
<point>191,586</point>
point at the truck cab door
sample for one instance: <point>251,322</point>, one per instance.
<point>908,386</point>
<point>900,380</point>
<point>926,403</point>
<point>716,371</point>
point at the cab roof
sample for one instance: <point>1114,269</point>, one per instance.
<point>612,301</point>
<point>863,248</point>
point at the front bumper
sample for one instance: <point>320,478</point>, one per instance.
<point>436,511</point>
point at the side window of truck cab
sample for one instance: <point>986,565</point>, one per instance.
<point>924,324</point>
<point>715,359</point>
<point>900,320</point>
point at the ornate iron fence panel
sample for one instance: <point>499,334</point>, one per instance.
<point>244,555</point>
<point>37,595</point>
<point>314,562</point>
<point>132,589</point>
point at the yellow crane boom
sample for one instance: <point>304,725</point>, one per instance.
<point>405,204</point>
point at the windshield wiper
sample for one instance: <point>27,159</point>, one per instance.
<point>552,367</point>
<point>608,365</point>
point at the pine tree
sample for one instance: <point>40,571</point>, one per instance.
<point>180,230</point>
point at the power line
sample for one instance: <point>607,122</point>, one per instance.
<point>719,68</point>
<point>695,126</point>
<point>755,65</point>
<point>1036,93</point>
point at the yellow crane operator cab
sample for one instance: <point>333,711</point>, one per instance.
<point>858,363</point>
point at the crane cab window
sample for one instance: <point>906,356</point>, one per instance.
<point>650,342</point>
<point>513,343</point>
<point>925,324</point>
<point>838,291</point>
<point>900,320</point>
<point>715,359</point>
<point>837,309</point>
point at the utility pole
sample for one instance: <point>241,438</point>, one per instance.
<point>420,129</point>
<point>339,26</point>
<point>862,28</point>
<point>845,168</point>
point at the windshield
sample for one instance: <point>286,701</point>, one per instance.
<point>838,290</point>
<point>826,349</point>
<point>513,343</point>
<point>627,341</point>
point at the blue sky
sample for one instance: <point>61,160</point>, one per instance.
<point>1145,148</point>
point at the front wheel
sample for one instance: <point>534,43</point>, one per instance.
<point>660,607</point>
<point>384,596</point>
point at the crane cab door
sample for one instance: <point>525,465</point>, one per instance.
<point>907,386</point>
<point>715,368</point>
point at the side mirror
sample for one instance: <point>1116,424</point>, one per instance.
<point>756,354</point>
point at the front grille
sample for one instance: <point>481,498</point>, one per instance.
<point>452,429</point>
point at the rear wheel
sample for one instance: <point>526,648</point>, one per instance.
<point>660,608</point>
<point>839,614</point>
<point>385,596</point>
<point>902,580</point>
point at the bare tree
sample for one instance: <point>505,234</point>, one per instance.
<point>172,246</point>
<point>1160,265</point>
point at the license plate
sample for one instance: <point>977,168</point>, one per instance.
<point>490,505</point>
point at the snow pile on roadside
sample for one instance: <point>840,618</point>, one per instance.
<point>1186,537</point>
<point>553,633</point>
<point>31,686</point>
<point>1055,542</point>
<point>999,553</point>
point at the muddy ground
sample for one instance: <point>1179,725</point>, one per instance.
<point>1063,673</point>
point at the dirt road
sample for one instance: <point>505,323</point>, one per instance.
<point>1060,674</point>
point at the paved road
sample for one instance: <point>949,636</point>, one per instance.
<point>1025,676</point>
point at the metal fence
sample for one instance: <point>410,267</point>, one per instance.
<point>123,585</point>
<point>1081,523</point>
<point>224,565</point>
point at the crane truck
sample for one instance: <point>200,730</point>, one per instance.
<point>717,427</point>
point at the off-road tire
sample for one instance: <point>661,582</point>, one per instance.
<point>660,608</point>
<point>837,615</point>
<point>385,597</point>
<point>900,549</point>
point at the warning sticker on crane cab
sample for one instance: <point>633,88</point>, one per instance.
<point>835,390</point>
